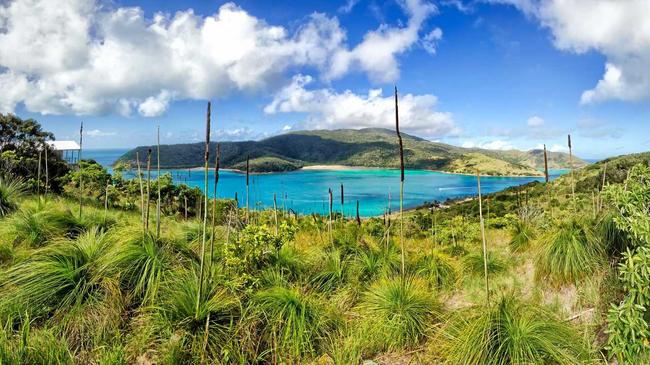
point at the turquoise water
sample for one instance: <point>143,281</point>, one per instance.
<point>306,191</point>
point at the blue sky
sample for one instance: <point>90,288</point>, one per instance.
<point>495,73</point>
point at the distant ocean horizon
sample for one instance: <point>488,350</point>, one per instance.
<point>306,191</point>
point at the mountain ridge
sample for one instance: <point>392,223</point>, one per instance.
<point>368,147</point>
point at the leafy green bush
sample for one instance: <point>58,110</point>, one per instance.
<point>10,190</point>
<point>439,270</point>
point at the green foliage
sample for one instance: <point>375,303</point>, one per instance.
<point>474,264</point>
<point>569,254</point>
<point>331,272</point>
<point>94,177</point>
<point>295,322</point>
<point>140,261</point>
<point>36,228</point>
<point>522,235</point>
<point>32,347</point>
<point>627,324</point>
<point>65,280</point>
<point>10,190</point>
<point>511,332</point>
<point>207,331</point>
<point>439,270</point>
<point>399,311</point>
<point>256,249</point>
<point>371,264</point>
<point>21,141</point>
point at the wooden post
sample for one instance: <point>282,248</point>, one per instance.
<point>214,207</point>
<point>137,160</point>
<point>329,191</point>
<point>275,213</point>
<point>342,203</point>
<point>158,178</point>
<point>401,184</point>
<point>573,184</point>
<point>480,210</point>
<point>38,177</point>
<point>146,224</point>
<point>81,178</point>
<point>358,217</point>
<point>206,158</point>
<point>545,165</point>
<point>47,173</point>
<point>247,186</point>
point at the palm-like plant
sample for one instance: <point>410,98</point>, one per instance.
<point>439,270</point>
<point>332,273</point>
<point>66,281</point>
<point>35,228</point>
<point>295,323</point>
<point>10,191</point>
<point>474,264</point>
<point>140,260</point>
<point>400,311</point>
<point>522,235</point>
<point>204,332</point>
<point>510,332</point>
<point>371,264</point>
<point>569,254</point>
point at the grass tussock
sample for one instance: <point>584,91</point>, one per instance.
<point>511,332</point>
<point>568,254</point>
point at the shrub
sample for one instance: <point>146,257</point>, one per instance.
<point>439,270</point>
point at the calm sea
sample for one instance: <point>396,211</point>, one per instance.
<point>307,191</point>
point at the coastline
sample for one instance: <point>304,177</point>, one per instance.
<point>347,168</point>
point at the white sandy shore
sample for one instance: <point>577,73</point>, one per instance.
<point>337,167</point>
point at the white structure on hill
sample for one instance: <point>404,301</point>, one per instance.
<point>66,150</point>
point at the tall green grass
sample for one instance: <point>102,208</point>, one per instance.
<point>294,323</point>
<point>513,333</point>
<point>569,254</point>
<point>10,191</point>
<point>400,311</point>
<point>439,270</point>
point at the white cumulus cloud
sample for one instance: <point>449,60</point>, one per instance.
<point>618,29</point>
<point>94,133</point>
<point>535,121</point>
<point>85,58</point>
<point>490,145</point>
<point>329,109</point>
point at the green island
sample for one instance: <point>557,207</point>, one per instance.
<point>370,147</point>
<point>99,269</point>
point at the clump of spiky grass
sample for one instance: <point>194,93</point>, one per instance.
<point>439,270</point>
<point>523,235</point>
<point>474,263</point>
<point>568,254</point>
<point>615,241</point>
<point>10,191</point>
<point>295,323</point>
<point>510,332</point>
<point>371,264</point>
<point>140,260</point>
<point>332,271</point>
<point>32,346</point>
<point>65,282</point>
<point>36,228</point>
<point>400,311</point>
<point>203,327</point>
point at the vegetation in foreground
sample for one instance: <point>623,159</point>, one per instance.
<point>568,277</point>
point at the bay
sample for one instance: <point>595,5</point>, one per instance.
<point>306,191</point>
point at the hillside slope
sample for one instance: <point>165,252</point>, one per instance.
<point>371,147</point>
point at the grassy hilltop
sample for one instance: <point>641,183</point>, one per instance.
<point>371,147</point>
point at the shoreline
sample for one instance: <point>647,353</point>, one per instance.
<point>348,168</point>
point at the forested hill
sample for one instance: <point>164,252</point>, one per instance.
<point>371,147</point>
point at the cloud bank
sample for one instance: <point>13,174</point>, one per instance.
<point>83,57</point>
